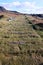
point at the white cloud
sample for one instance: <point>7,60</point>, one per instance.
<point>27,7</point>
<point>16,3</point>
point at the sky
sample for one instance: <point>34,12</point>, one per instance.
<point>23,6</point>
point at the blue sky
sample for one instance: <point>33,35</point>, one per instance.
<point>24,6</point>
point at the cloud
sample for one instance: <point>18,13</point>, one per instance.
<point>16,3</point>
<point>12,4</point>
<point>25,7</point>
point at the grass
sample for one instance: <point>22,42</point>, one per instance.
<point>20,44</point>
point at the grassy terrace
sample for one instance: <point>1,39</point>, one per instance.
<point>20,44</point>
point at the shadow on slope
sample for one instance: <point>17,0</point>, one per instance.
<point>1,16</point>
<point>38,26</point>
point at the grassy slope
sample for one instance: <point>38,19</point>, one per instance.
<point>20,44</point>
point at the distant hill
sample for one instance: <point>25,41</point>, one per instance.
<point>38,15</point>
<point>2,9</point>
<point>35,18</point>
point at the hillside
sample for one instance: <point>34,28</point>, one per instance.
<point>21,39</point>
